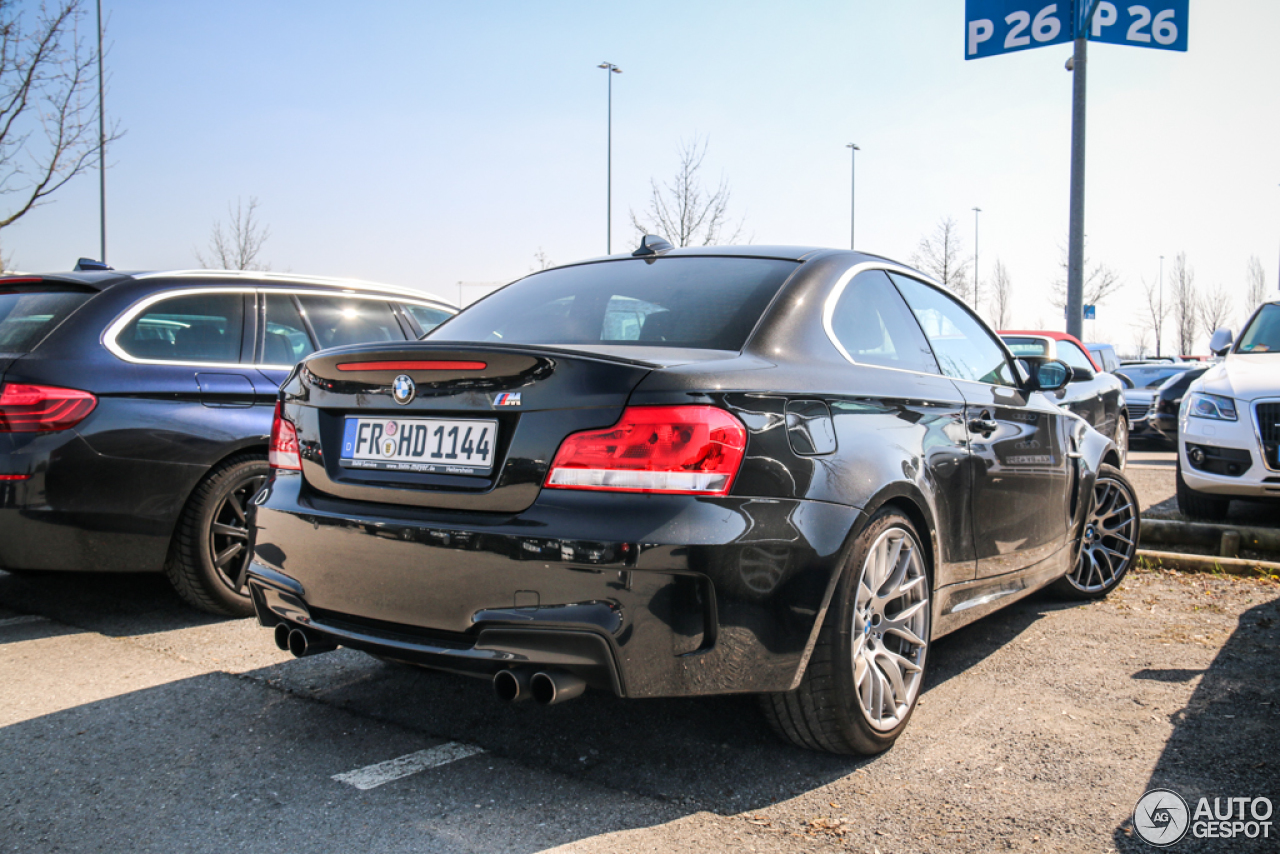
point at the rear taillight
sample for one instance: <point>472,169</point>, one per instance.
<point>283,453</point>
<point>673,449</point>
<point>41,408</point>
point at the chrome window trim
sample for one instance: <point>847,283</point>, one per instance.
<point>290,278</point>
<point>113,330</point>
<point>829,310</point>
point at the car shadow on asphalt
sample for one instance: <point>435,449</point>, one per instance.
<point>1226,740</point>
<point>706,753</point>
<point>113,604</point>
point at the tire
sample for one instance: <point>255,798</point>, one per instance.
<point>1122,439</point>
<point>211,542</point>
<point>1200,505</point>
<point>1108,538</point>
<point>867,667</point>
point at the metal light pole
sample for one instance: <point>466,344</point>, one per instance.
<point>976,211</point>
<point>853,149</point>
<point>102,148</point>
<point>1075,240</point>
<point>1160,309</point>
<point>610,70</point>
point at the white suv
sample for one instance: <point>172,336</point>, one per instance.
<point>1229,423</point>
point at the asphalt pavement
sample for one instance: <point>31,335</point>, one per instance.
<point>129,722</point>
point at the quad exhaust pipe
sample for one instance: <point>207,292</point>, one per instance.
<point>546,687</point>
<point>301,642</point>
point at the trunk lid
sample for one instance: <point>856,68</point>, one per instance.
<point>476,431</point>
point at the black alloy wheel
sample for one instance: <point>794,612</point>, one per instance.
<point>867,668</point>
<point>1108,538</point>
<point>211,544</point>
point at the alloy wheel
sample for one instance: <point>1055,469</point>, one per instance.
<point>1109,537</point>
<point>229,532</point>
<point>890,629</point>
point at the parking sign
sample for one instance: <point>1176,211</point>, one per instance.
<point>993,27</point>
<point>1161,24</point>
<point>1001,26</point>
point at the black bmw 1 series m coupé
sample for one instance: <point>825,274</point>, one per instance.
<point>773,470</point>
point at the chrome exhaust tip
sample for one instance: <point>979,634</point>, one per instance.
<point>303,643</point>
<point>555,686</point>
<point>282,636</point>
<point>511,686</point>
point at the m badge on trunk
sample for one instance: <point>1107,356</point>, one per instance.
<point>507,398</point>
<point>403,389</point>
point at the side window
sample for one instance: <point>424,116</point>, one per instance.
<point>1074,356</point>
<point>428,318</point>
<point>191,328</point>
<point>286,340</point>
<point>875,327</point>
<point>338,321</point>
<point>963,348</point>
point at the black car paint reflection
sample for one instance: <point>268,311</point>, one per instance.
<point>653,594</point>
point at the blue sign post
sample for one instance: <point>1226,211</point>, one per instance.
<point>993,27</point>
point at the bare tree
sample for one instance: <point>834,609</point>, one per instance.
<point>1154,316</point>
<point>48,106</point>
<point>1185,303</point>
<point>1140,344</point>
<point>684,211</point>
<point>1215,309</point>
<point>1001,305</point>
<point>1100,282</point>
<point>1255,284</point>
<point>941,255</point>
<point>237,247</point>
<point>541,261</point>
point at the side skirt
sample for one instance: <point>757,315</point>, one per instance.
<point>958,605</point>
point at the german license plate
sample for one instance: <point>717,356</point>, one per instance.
<point>429,445</point>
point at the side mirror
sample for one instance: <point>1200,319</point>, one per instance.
<point>1220,343</point>
<point>1082,374</point>
<point>1047,374</point>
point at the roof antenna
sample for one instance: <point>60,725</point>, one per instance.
<point>652,246</point>
<point>90,264</point>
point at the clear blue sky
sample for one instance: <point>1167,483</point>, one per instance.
<point>427,143</point>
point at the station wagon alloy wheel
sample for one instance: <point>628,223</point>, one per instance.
<point>1109,538</point>
<point>229,533</point>
<point>211,545</point>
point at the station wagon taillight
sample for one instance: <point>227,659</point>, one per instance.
<point>691,450</point>
<point>42,408</point>
<point>283,451</point>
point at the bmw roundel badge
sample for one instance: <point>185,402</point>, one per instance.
<point>403,389</point>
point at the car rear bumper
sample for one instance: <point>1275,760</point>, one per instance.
<point>76,509</point>
<point>646,595</point>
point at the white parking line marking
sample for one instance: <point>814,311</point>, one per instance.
<point>25,618</point>
<point>373,776</point>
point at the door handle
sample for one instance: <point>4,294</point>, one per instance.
<point>985,426</point>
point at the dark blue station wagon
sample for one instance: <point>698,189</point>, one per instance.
<point>136,409</point>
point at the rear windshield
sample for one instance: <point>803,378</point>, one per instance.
<point>1263,335</point>
<point>26,316</point>
<point>704,303</point>
<point>1152,376</point>
<point>1027,346</point>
